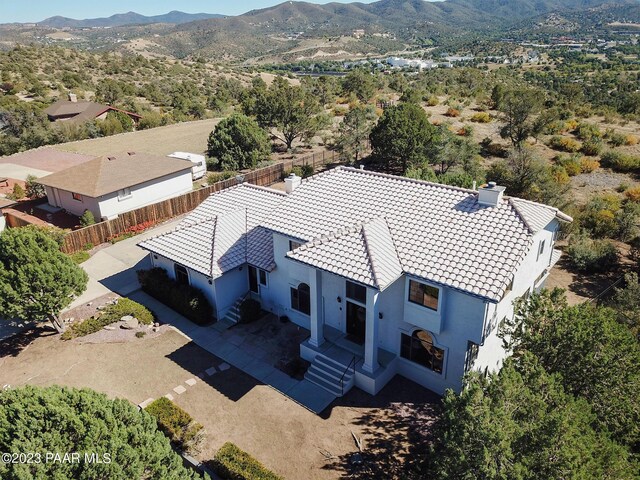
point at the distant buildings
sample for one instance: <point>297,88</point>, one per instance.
<point>73,110</point>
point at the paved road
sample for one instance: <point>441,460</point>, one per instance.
<point>113,269</point>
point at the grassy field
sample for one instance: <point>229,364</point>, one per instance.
<point>185,137</point>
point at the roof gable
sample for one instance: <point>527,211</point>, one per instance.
<point>111,173</point>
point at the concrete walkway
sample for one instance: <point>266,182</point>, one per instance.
<point>113,269</point>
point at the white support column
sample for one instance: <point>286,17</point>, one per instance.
<point>317,316</point>
<point>371,336</point>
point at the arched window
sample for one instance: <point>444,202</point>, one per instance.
<point>301,299</point>
<point>182,276</point>
<point>419,348</point>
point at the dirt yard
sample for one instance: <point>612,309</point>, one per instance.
<point>185,137</point>
<point>233,406</point>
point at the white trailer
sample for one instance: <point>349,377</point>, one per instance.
<point>199,163</point>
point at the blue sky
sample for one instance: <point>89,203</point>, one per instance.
<point>36,10</point>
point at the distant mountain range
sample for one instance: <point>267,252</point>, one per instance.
<point>260,32</point>
<point>129,18</point>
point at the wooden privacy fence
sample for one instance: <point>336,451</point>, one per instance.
<point>158,212</point>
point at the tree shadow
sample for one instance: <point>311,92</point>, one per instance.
<point>13,345</point>
<point>396,432</point>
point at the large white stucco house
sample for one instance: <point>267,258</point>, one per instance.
<point>113,184</point>
<point>396,275</point>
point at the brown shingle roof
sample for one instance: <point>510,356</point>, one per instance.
<point>47,159</point>
<point>80,110</point>
<point>114,172</point>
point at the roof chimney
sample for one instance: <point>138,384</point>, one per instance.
<point>292,182</point>
<point>490,194</point>
<point>73,97</point>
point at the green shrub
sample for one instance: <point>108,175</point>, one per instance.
<point>87,218</point>
<point>184,299</point>
<point>17,193</point>
<point>616,139</point>
<point>111,314</point>
<point>249,310</point>
<point>592,146</point>
<point>215,177</point>
<point>176,424</point>
<point>587,131</point>
<point>590,256</point>
<point>140,334</point>
<point>80,257</point>
<point>126,306</point>
<point>481,117</point>
<point>303,171</point>
<point>233,463</point>
<point>619,161</point>
<point>33,188</point>
<point>564,144</point>
<point>571,164</point>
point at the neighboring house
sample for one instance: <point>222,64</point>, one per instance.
<point>72,110</point>
<point>110,185</point>
<point>4,203</point>
<point>399,275</point>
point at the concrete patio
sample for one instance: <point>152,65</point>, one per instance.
<point>253,348</point>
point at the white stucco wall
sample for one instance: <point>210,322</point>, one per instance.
<point>230,287</point>
<point>109,206</point>
<point>3,222</point>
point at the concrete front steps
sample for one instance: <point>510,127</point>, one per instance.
<point>326,373</point>
<point>233,314</point>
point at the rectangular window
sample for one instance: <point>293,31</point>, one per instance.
<point>419,349</point>
<point>293,245</point>
<point>124,194</point>
<point>263,277</point>
<point>540,249</point>
<point>472,355</point>
<point>77,196</point>
<point>357,292</point>
<point>424,295</point>
<point>182,276</point>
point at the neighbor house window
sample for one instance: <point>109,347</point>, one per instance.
<point>262,275</point>
<point>472,355</point>
<point>124,194</point>
<point>301,299</point>
<point>77,196</point>
<point>540,249</point>
<point>356,292</point>
<point>293,245</point>
<point>424,295</point>
<point>182,276</point>
<point>419,349</point>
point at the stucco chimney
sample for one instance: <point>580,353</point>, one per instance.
<point>490,194</point>
<point>292,182</point>
<point>73,97</point>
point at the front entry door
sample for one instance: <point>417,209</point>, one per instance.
<point>356,322</point>
<point>253,279</point>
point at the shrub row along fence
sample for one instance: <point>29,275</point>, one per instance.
<point>158,212</point>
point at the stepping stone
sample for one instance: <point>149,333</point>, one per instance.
<point>224,366</point>
<point>211,371</point>
<point>191,382</point>
<point>201,375</point>
<point>179,389</point>
<point>168,396</point>
<point>145,403</point>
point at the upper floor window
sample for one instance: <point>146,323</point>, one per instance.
<point>424,295</point>
<point>541,249</point>
<point>419,348</point>
<point>471,356</point>
<point>182,276</point>
<point>76,196</point>
<point>301,299</point>
<point>356,292</point>
<point>293,245</point>
<point>262,276</point>
<point>124,193</point>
